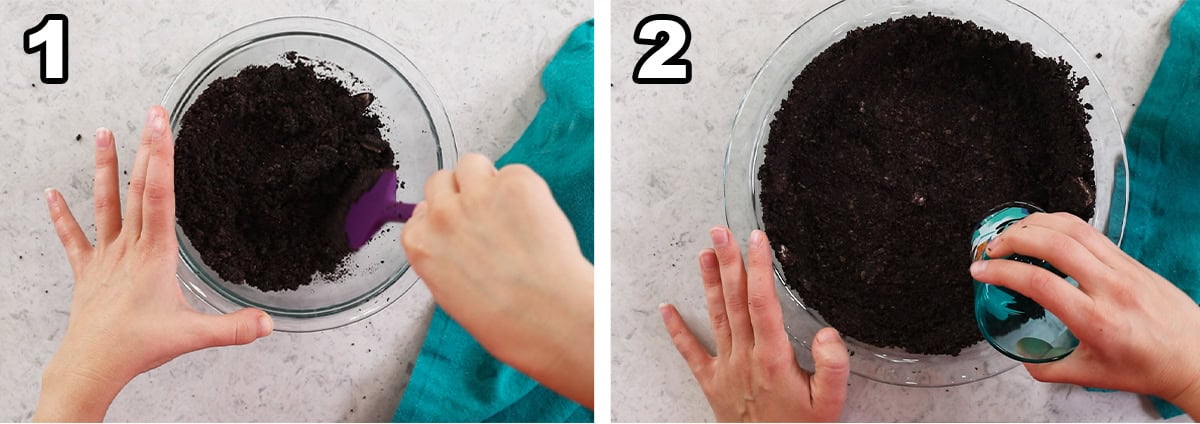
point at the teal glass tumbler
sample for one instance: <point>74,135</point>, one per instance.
<point>1012,323</point>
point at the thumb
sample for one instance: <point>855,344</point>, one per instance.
<point>832,370</point>
<point>237,328</point>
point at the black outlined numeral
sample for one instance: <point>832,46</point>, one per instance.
<point>49,38</point>
<point>663,64</point>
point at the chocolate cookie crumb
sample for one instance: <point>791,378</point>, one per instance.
<point>265,162</point>
<point>890,147</point>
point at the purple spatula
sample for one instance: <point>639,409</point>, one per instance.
<point>376,207</point>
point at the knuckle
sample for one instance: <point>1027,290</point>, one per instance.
<point>729,252</point>
<point>1080,229</point>
<point>153,138</point>
<point>58,218</point>
<point>440,215</point>
<point>241,334</point>
<point>1123,294</point>
<point>1042,374</point>
<point>433,187</point>
<point>523,178</point>
<point>736,300</point>
<point>104,202</point>
<point>162,146</point>
<point>758,302</point>
<point>513,189</point>
<point>236,332</point>
<point>835,362</point>
<point>679,336</point>
<point>768,360</point>
<point>720,321</point>
<point>411,240</point>
<point>1060,243</point>
<point>148,251</point>
<point>118,250</point>
<point>158,191</point>
<point>763,355</point>
<point>419,210</point>
<point>477,199</point>
<point>137,186</point>
<point>516,170</point>
<point>105,161</point>
<point>1065,215</point>
<point>1041,284</point>
<point>66,237</point>
<point>1077,224</point>
<point>1092,314</point>
<point>407,234</point>
<point>474,157</point>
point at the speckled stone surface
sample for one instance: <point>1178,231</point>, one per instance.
<point>668,151</point>
<point>484,60</point>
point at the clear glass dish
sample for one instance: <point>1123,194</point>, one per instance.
<point>416,127</point>
<point>771,84</point>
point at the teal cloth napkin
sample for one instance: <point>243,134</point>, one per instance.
<point>1163,144</point>
<point>454,378</point>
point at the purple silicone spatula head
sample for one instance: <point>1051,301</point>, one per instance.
<point>376,207</point>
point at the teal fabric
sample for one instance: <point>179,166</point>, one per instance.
<point>1163,144</point>
<point>455,380</point>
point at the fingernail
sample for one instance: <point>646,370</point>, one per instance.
<point>265,325</point>
<point>707,262</point>
<point>756,238</point>
<point>156,120</point>
<point>977,267</point>
<point>825,336</point>
<point>102,138</point>
<point>662,310</point>
<point>51,195</point>
<point>720,237</point>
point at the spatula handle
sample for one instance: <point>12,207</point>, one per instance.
<point>399,212</point>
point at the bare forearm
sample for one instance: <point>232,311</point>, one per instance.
<point>560,353</point>
<point>572,375</point>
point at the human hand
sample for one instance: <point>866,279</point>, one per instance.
<point>1137,332</point>
<point>500,257</point>
<point>128,314</point>
<point>754,376</point>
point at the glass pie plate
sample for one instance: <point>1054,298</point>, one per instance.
<point>770,86</point>
<point>417,129</point>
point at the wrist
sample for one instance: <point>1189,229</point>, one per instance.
<point>1185,391</point>
<point>71,394</point>
<point>561,355</point>
<point>1189,399</point>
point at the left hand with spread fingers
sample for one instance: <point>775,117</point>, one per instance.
<point>754,376</point>
<point>128,315</point>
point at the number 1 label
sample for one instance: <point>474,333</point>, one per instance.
<point>49,38</point>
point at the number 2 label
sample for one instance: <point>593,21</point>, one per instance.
<point>663,64</point>
<point>49,38</point>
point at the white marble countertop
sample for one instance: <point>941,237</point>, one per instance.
<point>483,58</point>
<point>668,150</point>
